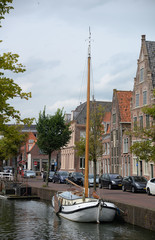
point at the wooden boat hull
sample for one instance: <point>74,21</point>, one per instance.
<point>107,212</point>
<point>82,212</point>
<point>76,209</point>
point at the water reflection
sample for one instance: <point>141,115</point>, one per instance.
<point>36,220</point>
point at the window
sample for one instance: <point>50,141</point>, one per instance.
<point>141,122</point>
<point>114,138</point>
<point>108,148</point>
<point>82,162</point>
<point>125,145</point>
<point>144,97</point>
<point>135,122</point>
<point>116,134</point>
<point>114,117</point>
<point>111,136</point>
<point>147,121</point>
<point>82,134</point>
<point>141,75</point>
<point>137,100</point>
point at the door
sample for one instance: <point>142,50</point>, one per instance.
<point>141,168</point>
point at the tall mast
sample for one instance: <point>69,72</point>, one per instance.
<point>87,119</point>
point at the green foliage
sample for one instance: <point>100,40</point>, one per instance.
<point>53,134</point>
<point>145,149</point>
<point>8,88</point>
<point>11,142</point>
<point>4,8</point>
<point>95,134</point>
<point>95,137</point>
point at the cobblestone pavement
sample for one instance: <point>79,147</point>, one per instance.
<point>135,199</point>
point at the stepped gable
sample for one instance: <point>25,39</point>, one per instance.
<point>150,45</point>
<point>81,109</point>
<point>124,102</point>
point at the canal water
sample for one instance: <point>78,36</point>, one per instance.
<point>35,220</point>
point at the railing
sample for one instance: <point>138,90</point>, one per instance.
<point>6,176</point>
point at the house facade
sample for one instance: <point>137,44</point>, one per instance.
<point>105,166</point>
<point>144,83</point>
<point>120,123</point>
<point>31,157</point>
<point>69,159</point>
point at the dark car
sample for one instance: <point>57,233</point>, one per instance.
<point>110,180</point>
<point>134,184</point>
<point>76,177</point>
<point>51,174</point>
<point>60,177</point>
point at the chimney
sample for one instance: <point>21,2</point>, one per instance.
<point>143,38</point>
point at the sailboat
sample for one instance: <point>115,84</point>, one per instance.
<point>76,205</point>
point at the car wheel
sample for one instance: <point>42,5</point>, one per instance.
<point>123,188</point>
<point>110,187</point>
<point>133,190</point>
<point>100,185</point>
<point>148,191</point>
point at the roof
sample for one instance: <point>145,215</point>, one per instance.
<point>80,111</point>
<point>124,102</point>
<point>150,45</point>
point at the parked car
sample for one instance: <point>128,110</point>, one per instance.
<point>60,177</point>
<point>7,169</point>
<point>51,174</point>
<point>134,184</point>
<point>76,177</point>
<point>91,180</point>
<point>110,180</point>
<point>29,174</point>
<point>150,186</point>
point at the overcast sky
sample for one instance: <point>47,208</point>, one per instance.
<point>50,37</point>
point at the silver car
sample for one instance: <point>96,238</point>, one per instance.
<point>29,174</point>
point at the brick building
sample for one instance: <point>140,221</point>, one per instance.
<point>120,123</point>
<point>69,160</point>
<point>144,83</point>
<point>105,166</point>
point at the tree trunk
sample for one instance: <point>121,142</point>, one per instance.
<point>48,168</point>
<point>94,174</point>
<point>15,170</point>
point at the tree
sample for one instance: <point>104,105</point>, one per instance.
<point>95,137</point>
<point>145,149</point>
<point>11,143</point>
<point>4,8</point>
<point>53,134</point>
<point>9,90</point>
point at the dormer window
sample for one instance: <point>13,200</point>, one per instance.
<point>141,75</point>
